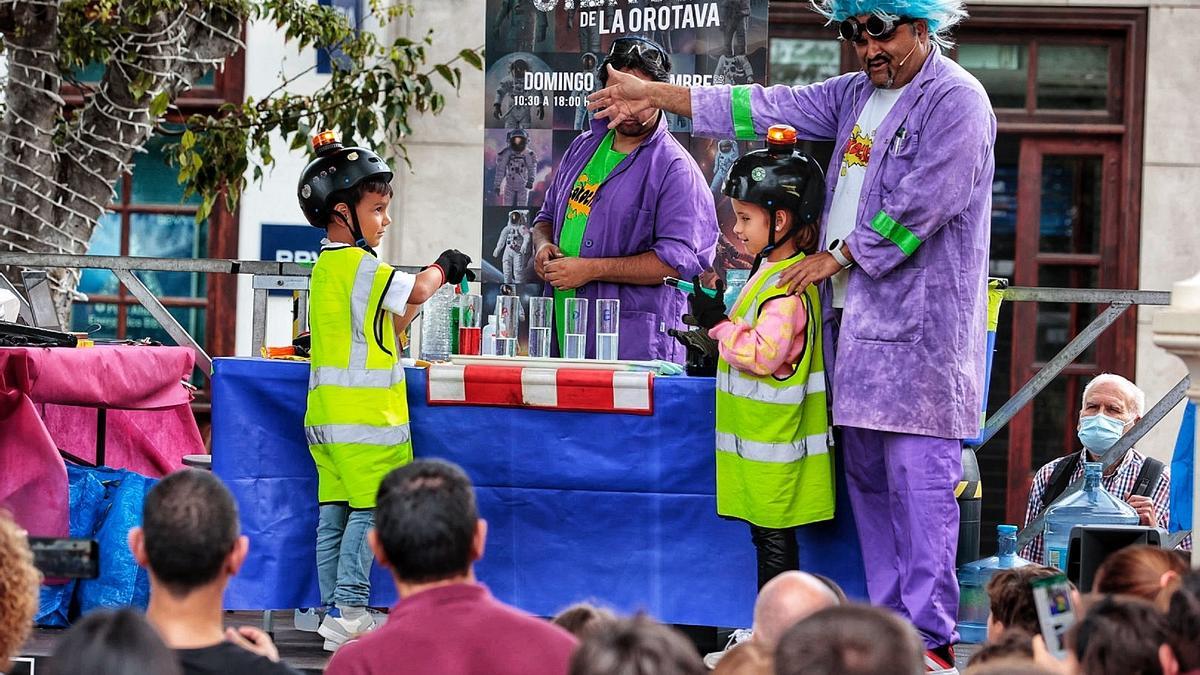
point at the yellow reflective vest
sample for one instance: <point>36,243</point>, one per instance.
<point>774,467</point>
<point>357,417</point>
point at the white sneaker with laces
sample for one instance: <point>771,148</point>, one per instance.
<point>337,630</point>
<point>735,638</point>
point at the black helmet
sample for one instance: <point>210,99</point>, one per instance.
<point>335,169</point>
<point>779,177</point>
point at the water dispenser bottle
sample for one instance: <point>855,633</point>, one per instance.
<point>1093,505</point>
<point>973,577</point>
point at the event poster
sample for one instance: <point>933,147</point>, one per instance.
<point>541,62</point>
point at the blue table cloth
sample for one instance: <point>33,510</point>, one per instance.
<point>613,508</point>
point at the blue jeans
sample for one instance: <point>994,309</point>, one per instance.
<point>343,555</point>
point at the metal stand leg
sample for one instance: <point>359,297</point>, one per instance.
<point>268,623</point>
<point>101,434</point>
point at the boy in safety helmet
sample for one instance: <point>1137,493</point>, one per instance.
<point>357,417</point>
<point>773,464</point>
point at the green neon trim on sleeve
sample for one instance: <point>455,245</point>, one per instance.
<point>893,231</point>
<point>743,122</point>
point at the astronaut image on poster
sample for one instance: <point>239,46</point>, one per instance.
<point>514,247</point>
<point>583,116</point>
<point>727,154</point>
<point>514,103</point>
<point>519,26</point>
<point>516,168</point>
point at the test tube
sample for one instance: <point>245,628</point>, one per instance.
<point>541,326</point>
<point>470,328</point>
<point>508,324</point>
<point>608,328</point>
<point>575,328</point>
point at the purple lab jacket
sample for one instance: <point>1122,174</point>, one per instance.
<point>910,353</point>
<point>657,200</point>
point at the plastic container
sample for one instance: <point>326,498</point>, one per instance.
<point>735,281</point>
<point>608,328</point>
<point>541,325</point>
<point>435,325</point>
<point>489,336</point>
<point>575,328</point>
<point>470,330</point>
<point>973,577</point>
<point>508,324</point>
<point>1093,505</point>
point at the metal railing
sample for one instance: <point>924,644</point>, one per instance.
<point>268,276</point>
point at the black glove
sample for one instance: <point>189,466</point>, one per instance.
<point>496,110</point>
<point>696,341</point>
<point>707,311</point>
<point>454,265</point>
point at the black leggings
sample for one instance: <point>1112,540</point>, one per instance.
<point>777,552</point>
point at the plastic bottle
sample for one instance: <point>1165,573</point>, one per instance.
<point>973,577</point>
<point>435,325</point>
<point>489,336</point>
<point>1093,505</point>
<point>735,281</point>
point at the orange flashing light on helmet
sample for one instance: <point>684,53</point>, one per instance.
<point>781,134</point>
<point>324,138</point>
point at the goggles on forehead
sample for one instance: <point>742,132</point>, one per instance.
<point>645,49</point>
<point>879,28</point>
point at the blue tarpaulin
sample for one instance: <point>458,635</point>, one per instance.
<point>1183,472</point>
<point>105,504</point>
<point>613,507</point>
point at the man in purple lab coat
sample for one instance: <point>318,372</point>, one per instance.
<point>626,208</point>
<point>906,229</point>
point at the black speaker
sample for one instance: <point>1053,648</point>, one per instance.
<point>1091,544</point>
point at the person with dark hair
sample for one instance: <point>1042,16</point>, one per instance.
<point>190,545</point>
<point>637,646</point>
<point>625,209</point>
<point>1121,636</point>
<point>111,642</point>
<point>1011,598</point>
<point>1015,644</point>
<point>356,422</point>
<point>19,581</point>
<point>583,618</point>
<point>850,640</point>
<point>1183,623</point>
<point>429,534</point>
<point>1146,572</point>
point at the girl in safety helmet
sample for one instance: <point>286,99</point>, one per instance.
<point>774,469</point>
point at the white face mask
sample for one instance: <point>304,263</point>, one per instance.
<point>1099,432</point>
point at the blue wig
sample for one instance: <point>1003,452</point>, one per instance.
<point>941,15</point>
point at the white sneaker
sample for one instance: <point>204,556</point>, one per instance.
<point>337,631</point>
<point>735,638</point>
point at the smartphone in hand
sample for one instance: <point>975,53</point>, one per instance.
<point>1055,611</point>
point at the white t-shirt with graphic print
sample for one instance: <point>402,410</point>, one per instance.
<point>852,171</point>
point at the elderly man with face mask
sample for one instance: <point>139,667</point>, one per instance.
<point>1111,405</point>
<point>906,228</point>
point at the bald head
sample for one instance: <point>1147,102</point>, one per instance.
<point>785,600</point>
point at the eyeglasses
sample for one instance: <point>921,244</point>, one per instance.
<point>645,49</point>
<point>875,26</point>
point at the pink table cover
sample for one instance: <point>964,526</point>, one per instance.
<point>48,400</point>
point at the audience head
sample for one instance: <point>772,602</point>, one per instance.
<point>1010,666</point>
<point>834,588</point>
<point>784,600</point>
<point>1122,635</point>
<point>637,646</point>
<point>582,619</point>
<point>427,527</point>
<point>189,534</point>
<point>1011,597</point>
<point>1146,572</point>
<point>1183,622</point>
<point>1014,644</point>
<point>114,643</point>
<point>850,640</point>
<point>19,581</point>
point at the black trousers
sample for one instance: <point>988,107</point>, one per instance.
<point>777,552</point>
